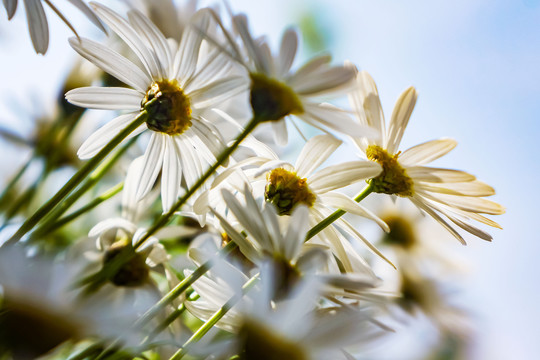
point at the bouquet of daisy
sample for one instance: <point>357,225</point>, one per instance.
<point>194,225</point>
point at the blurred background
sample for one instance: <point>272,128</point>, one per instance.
<point>476,68</point>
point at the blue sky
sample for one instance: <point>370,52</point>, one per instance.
<point>476,67</point>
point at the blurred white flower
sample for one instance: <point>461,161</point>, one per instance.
<point>452,193</point>
<point>174,89</point>
<point>37,21</point>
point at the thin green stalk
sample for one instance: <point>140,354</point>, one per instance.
<point>214,319</point>
<point>85,353</point>
<point>68,218</point>
<point>15,179</point>
<point>76,179</point>
<point>183,286</point>
<point>92,180</point>
<point>336,214</point>
<point>164,219</point>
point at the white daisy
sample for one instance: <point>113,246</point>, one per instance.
<point>37,21</point>
<point>452,193</point>
<point>182,142</point>
<point>286,186</point>
<point>277,92</point>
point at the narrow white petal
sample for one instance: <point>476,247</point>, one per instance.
<point>337,119</point>
<point>287,51</point>
<point>333,79</point>
<point>188,49</point>
<point>241,26</point>
<point>114,223</point>
<point>103,135</point>
<point>296,232</point>
<point>367,104</point>
<point>106,98</point>
<point>464,225</point>
<point>79,4</point>
<point>113,63</point>
<point>124,30</point>
<point>341,175</point>
<point>469,188</point>
<point>218,91</point>
<point>281,135</point>
<point>427,152</point>
<point>418,201</point>
<point>343,202</point>
<point>438,175</point>
<point>314,153</point>
<point>466,203</point>
<point>153,159</point>
<point>37,25</point>
<point>400,118</point>
<point>308,69</point>
<point>172,174</point>
<point>11,7</point>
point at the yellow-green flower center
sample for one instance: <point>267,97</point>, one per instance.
<point>394,179</point>
<point>271,99</point>
<point>285,190</point>
<point>170,113</point>
<point>261,343</point>
<point>401,232</point>
<point>132,273</point>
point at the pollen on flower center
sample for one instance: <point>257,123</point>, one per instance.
<point>272,99</point>
<point>134,272</point>
<point>394,179</point>
<point>285,190</point>
<point>170,113</point>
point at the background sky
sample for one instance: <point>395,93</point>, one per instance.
<point>476,67</point>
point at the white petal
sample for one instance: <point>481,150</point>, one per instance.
<point>308,68</point>
<point>469,188</point>
<point>427,152</point>
<point>37,25</point>
<point>287,52</point>
<point>281,136</point>
<point>332,80</point>
<point>296,232</point>
<point>466,203</point>
<point>124,30</point>
<point>343,202</point>
<point>188,49</point>
<point>114,223</point>
<point>153,159</point>
<point>241,26</point>
<point>341,175</point>
<point>400,118</point>
<point>113,63</point>
<point>103,135</point>
<point>79,4</point>
<point>366,102</point>
<point>314,153</point>
<point>11,7</point>
<point>218,91</point>
<point>106,98</point>
<point>172,174</point>
<point>437,175</point>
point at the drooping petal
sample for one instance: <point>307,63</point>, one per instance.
<point>469,188</point>
<point>103,135</point>
<point>287,51</point>
<point>171,177</point>
<point>37,25</point>
<point>106,98</point>
<point>296,232</point>
<point>152,164</point>
<point>341,175</point>
<point>328,81</point>
<point>11,7</point>
<point>79,4</point>
<point>367,104</point>
<point>438,175</point>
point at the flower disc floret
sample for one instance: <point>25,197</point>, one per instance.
<point>394,179</point>
<point>285,190</point>
<point>272,99</point>
<point>134,272</point>
<point>170,113</point>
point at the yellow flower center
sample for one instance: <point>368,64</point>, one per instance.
<point>170,113</point>
<point>401,232</point>
<point>285,190</point>
<point>261,343</point>
<point>394,179</point>
<point>272,100</point>
<point>134,272</point>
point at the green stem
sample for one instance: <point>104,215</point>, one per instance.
<point>183,286</point>
<point>15,179</point>
<point>92,180</point>
<point>336,214</point>
<point>164,219</point>
<point>76,179</point>
<point>218,315</point>
<point>68,218</point>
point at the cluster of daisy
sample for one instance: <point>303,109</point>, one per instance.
<point>219,247</point>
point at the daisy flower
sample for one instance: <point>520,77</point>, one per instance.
<point>454,194</point>
<point>278,93</point>
<point>37,21</point>
<point>287,186</point>
<point>173,86</point>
